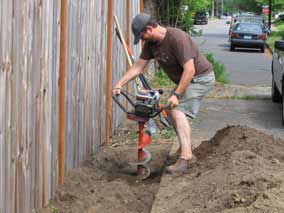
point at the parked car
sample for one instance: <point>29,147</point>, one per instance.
<point>279,15</point>
<point>201,18</point>
<point>234,15</point>
<point>277,88</point>
<point>221,16</point>
<point>251,19</point>
<point>249,35</point>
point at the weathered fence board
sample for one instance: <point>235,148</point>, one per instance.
<point>29,92</point>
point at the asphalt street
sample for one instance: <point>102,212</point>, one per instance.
<point>246,66</point>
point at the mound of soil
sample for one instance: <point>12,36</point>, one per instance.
<point>239,170</point>
<point>108,183</point>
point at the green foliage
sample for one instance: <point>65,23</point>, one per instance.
<point>245,97</point>
<point>180,13</point>
<point>53,209</point>
<point>279,25</point>
<point>186,22</point>
<point>161,79</point>
<point>168,133</point>
<point>221,74</point>
<point>251,5</point>
<point>276,35</point>
<point>243,5</point>
<point>277,5</point>
<point>193,6</point>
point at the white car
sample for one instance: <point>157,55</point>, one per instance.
<point>278,15</point>
<point>277,90</point>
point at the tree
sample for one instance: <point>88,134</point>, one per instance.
<point>180,12</point>
<point>252,5</point>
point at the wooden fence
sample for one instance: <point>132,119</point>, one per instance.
<point>30,32</point>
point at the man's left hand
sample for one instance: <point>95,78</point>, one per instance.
<point>173,101</point>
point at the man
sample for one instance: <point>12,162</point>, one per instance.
<point>186,67</point>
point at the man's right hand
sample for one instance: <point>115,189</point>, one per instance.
<point>116,90</point>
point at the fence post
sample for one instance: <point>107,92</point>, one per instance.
<point>127,39</point>
<point>141,11</point>
<point>108,72</point>
<point>141,6</point>
<point>61,101</point>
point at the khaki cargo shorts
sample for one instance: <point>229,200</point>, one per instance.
<point>197,89</point>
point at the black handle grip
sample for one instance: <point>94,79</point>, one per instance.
<point>115,98</point>
<point>159,111</point>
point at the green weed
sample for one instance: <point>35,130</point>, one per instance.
<point>54,209</point>
<point>276,35</point>
<point>161,79</point>
<point>221,73</point>
<point>244,97</point>
<point>168,133</point>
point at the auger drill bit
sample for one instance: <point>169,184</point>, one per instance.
<point>144,156</point>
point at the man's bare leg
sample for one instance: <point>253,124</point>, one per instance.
<point>183,131</point>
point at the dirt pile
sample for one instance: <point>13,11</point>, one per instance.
<point>108,183</point>
<point>239,170</point>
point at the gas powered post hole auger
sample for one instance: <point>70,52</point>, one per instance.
<point>144,107</point>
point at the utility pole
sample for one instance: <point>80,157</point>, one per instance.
<point>269,13</point>
<point>217,8</point>
<point>222,7</point>
<point>212,12</point>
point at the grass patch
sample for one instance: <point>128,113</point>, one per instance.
<point>53,209</point>
<point>276,35</point>
<point>161,79</point>
<point>244,97</point>
<point>221,74</point>
<point>279,25</point>
<point>168,133</point>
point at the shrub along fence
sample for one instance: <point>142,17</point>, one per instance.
<point>58,62</point>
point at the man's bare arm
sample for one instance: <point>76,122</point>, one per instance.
<point>187,75</point>
<point>136,69</point>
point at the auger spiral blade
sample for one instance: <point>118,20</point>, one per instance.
<point>145,157</point>
<point>143,172</point>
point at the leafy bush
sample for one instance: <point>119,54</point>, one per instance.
<point>276,35</point>
<point>221,74</point>
<point>187,22</point>
<point>180,13</point>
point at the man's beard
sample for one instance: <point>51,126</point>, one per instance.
<point>149,40</point>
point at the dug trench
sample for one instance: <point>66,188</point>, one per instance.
<point>108,183</point>
<point>239,170</point>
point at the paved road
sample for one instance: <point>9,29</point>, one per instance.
<point>246,67</point>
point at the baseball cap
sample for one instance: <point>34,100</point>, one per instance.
<point>138,25</point>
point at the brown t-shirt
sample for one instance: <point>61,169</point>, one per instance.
<point>173,52</point>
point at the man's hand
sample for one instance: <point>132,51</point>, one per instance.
<point>116,90</point>
<point>173,101</point>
